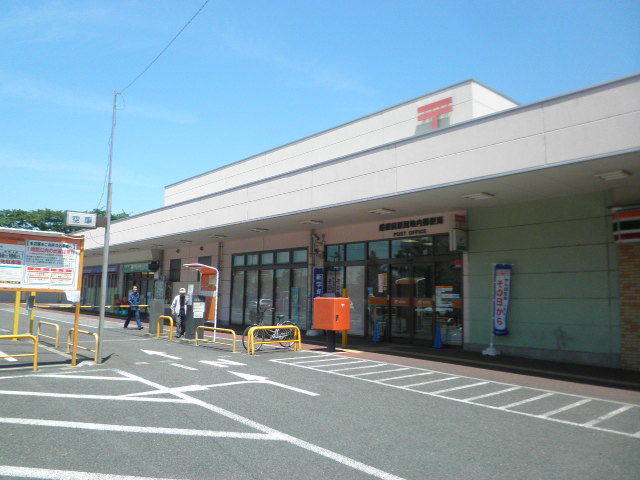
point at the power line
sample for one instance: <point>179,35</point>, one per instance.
<point>165,48</point>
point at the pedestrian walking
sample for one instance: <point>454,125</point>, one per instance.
<point>179,310</point>
<point>134,308</point>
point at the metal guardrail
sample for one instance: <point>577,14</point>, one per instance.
<point>69,344</point>
<point>56,338</point>
<point>161,317</point>
<point>297,337</point>
<point>216,329</point>
<point>24,337</point>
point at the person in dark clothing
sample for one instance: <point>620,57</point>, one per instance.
<point>134,308</point>
<point>179,310</point>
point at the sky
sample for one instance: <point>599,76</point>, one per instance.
<point>245,77</point>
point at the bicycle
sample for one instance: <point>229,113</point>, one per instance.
<point>284,336</point>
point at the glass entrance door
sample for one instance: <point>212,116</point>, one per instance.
<point>411,302</point>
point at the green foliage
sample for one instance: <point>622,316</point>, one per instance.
<point>45,219</point>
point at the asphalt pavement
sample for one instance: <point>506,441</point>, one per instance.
<point>158,409</point>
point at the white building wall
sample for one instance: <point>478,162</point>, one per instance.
<point>390,125</point>
<point>602,120</point>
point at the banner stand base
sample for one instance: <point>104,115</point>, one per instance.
<point>491,351</point>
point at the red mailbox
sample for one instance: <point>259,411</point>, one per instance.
<point>330,313</point>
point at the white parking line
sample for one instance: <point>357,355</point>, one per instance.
<point>527,400</point>
<point>358,368</point>
<point>458,388</point>
<point>607,416</point>
<point>47,474</point>
<point>477,397</point>
<point>565,408</point>
<point>580,400</point>
<point>431,381</point>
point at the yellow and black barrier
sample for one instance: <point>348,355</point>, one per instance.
<point>297,337</point>
<point>24,337</point>
<point>69,344</point>
<point>216,329</point>
<point>162,317</point>
<point>57,327</point>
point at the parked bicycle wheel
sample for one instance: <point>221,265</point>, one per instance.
<point>287,335</point>
<point>258,336</point>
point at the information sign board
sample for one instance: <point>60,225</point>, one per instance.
<point>37,261</point>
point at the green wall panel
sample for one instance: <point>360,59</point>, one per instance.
<point>565,281</point>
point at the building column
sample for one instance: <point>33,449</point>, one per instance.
<point>629,268</point>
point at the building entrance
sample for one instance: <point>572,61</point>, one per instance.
<point>408,302</point>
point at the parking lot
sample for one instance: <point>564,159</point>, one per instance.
<point>160,409</point>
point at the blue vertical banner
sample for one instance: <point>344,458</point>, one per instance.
<point>501,295</point>
<point>318,282</point>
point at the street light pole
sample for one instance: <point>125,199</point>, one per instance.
<point>105,252</point>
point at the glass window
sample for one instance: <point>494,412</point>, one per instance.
<point>355,251</point>
<point>252,259</point>
<point>251,294</point>
<point>379,249</point>
<point>335,253</point>
<point>266,258</point>
<point>300,256</point>
<point>283,257</point>
<point>412,247</point>
<point>238,260</point>
<point>237,279</point>
<point>174,270</point>
<point>283,279</point>
<point>299,289</point>
<point>441,243</point>
<point>265,303</point>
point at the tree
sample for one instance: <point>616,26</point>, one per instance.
<point>45,219</point>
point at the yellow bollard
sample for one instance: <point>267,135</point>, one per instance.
<point>16,315</point>
<point>33,313</point>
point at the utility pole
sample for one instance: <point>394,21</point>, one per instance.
<point>105,252</point>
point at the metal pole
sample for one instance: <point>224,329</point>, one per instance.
<point>107,228</point>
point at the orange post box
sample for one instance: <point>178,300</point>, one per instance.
<point>333,314</point>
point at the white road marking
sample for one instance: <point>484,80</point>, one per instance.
<point>566,407</point>
<point>458,388</point>
<point>183,366</point>
<point>190,432</point>
<point>477,397</point>
<point>407,376</point>
<point>47,474</point>
<point>222,363</point>
<point>160,354</point>
<point>430,381</point>
<point>350,362</point>
<point>258,379</point>
<point>607,416</point>
<point>527,400</point>
<point>357,368</point>
<point>87,397</point>
<point>362,467</point>
<point>7,358</point>
<point>623,407</point>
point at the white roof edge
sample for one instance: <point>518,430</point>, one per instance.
<point>464,124</point>
<point>41,233</point>
<point>435,92</point>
